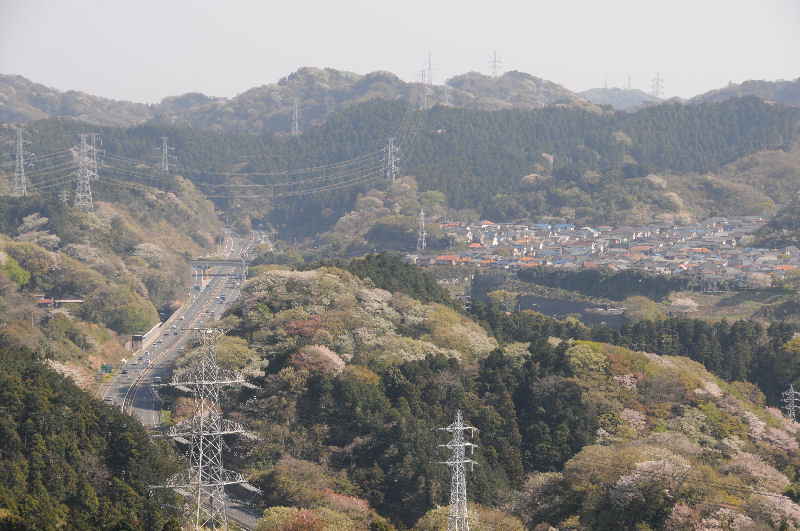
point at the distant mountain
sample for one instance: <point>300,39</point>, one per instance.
<point>619,98</point>
<point>22,100</point>
<point>786,92</point>
<point>319,93</point>
<point>513,89</point>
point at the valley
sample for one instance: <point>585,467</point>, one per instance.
<point>595,307</point>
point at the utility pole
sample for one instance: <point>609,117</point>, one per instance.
<point>422,234</point>
<point>495,63</point>
<point>20,188</point>
<point>658,87</point>
<point>87,171</point>
<point>204,480</point>
<point>791,402</point>
<point>64,196</point>
<point>391,154</point>
<point>458,482</point>
<point>295,120</point>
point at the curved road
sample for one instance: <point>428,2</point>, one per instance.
<point>155,361</point>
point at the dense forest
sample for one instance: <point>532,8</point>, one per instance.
<point>70,461</point>
<point>355,380</point>
<point>783,229</point>
<point>605,283</point>
<point>477,159</point>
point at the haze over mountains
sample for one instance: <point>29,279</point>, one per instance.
<point>321,93</point>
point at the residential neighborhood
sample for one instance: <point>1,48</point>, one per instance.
<point>710,252</point>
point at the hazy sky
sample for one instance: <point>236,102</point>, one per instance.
<point>143,50</point>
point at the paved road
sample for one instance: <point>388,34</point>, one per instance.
<point>155,361</point>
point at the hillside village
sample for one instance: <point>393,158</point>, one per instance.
<point>709,252</point>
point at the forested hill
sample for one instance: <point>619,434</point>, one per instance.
<point>319,93</point>
<point>786,92</point>
<point>490,161</point>
<point>70,461</point>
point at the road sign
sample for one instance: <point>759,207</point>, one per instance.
<point>106,368</point>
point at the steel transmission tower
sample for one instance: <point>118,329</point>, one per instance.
<point>295,120</point>
<point>391,154</point>
<point>791,402</point>
<point>87,171</point>
<point>458,482</point>
<point>658,87</point>
<point>495,63</point>
<point>20,188</point>
<point>422,233</point>
<point>447,99</point>
<point>203,482</point>
<point>164,155</point>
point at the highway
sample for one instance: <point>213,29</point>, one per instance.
<point>154,362</point>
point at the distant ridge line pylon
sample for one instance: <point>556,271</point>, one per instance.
<point>658,87</point>
<point>458,519</point>
<point>295,120</point>
<point>20,187</point>
<point>164,155</point>
<point>495,63</point>
<point>86,172</point>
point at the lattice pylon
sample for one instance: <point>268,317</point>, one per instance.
<point>86,172</point>
<point>204,480</point>
<point>791,402</point>
<point>458,519</point>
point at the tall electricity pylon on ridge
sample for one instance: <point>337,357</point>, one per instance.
<point>495,63</point>
<point>86,172</point>
<point>203,482</point>
<point>165,156</point>
<point>458,520</point>
<point>20,188</point>
<point>658,87</point>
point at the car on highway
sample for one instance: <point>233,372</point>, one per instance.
<point>108,399</point>
<point>124,371</point>
<point>182,317</point>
